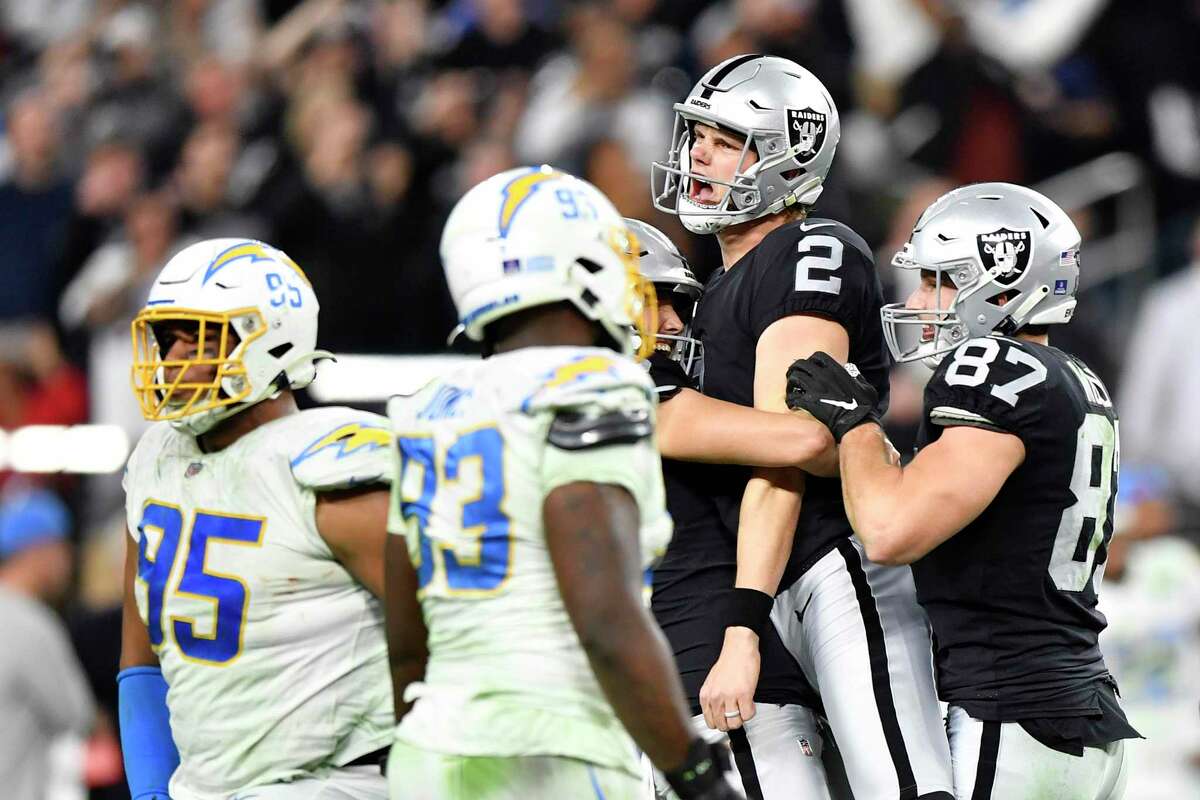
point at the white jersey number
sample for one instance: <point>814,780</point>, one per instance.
<point>1093,482</point>
<point>813,257</point>
<point>979,364</point>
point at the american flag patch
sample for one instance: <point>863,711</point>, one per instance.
<point>806,747</point>
<point>1068,258</point>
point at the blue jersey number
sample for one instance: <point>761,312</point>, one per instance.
<point>482,566</point>
<point>228,594</point>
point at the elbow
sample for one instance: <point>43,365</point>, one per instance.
<point>888,543</point>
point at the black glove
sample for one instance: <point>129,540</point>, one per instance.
<point>702,776</point>
<point>837,396</point>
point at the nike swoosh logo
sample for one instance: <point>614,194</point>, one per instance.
<point>806,227</point>
<point>853,404</point>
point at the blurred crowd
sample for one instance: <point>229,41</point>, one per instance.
<point>342,131</point>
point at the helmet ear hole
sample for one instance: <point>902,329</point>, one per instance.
<point>280,350</point>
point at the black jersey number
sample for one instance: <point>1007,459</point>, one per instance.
<point>1093,483</point>
<point>824,254</point>
<point>972,362</point>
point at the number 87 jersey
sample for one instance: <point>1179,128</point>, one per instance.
<point>480,449</point>
<point>1012,597</point>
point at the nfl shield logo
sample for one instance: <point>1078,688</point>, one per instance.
<point>1007,251</point>
<point>806,132</point>
<point>193,469</point>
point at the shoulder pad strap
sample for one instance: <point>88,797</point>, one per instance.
<point>572,430</point>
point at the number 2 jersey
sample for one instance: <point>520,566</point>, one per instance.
<point>815,267</point>
<point>1013,596</point>
<point>480,449</point>
<point>274,655</point>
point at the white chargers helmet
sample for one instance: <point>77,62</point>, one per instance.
<point>782,111</point>
<point>535,235</point>
<point>1013,256</point>
<point>255,319</point>
<point>661,263</point>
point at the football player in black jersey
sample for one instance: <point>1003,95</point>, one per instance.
<point>752,145</point>
<point>1005,513</point>
<point>779,753</point>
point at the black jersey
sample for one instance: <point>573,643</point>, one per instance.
<point>818,267</point>
<point>693,582</point>
<point>1012,597</point>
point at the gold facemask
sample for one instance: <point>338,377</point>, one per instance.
<point>641,301</point>
<point>169,389</point>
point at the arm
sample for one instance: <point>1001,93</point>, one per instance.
<point>407,636</point>
<point>769,512</point>
<point>149,751</point>
<point>695,427</point>
<point>353,522</point>
<point>900,514</point>
<point>592,535</point>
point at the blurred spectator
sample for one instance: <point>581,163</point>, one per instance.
<point>34,204</point>
<point>501,37</point>
<point>106,294</point>
<point>1161,383</point>
<point>112,176</point>
<point>38,386</point>
<point>1151,599</point>
<point>35,551</point>
<point>43,693</point>
<point>201,182</point>
<point>135,101</point>
<point>592,93</point>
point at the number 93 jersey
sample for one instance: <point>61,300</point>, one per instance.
<point>1012,597</point>
<point>274,654</point>
<point>480,449</point>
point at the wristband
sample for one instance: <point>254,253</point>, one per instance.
<point>702,769</point>
<point>146,743</point>
<point>749,608</point>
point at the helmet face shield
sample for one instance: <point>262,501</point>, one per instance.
<point>926,333</point>
<point>213,377</point>
<point>671,181</point>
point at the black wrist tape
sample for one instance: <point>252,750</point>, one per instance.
<point>749,608</point>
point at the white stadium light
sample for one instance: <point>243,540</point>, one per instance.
<point>364,378</point>
<point>59,448</point>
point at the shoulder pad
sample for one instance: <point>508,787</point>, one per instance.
<point>587,379</point>
<point>573,430</point>
<point>346,449</point>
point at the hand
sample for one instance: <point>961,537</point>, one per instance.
<point>836,395</point>
<point>730,684</point>
<point>702,776</point>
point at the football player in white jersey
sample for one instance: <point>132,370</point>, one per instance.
<point>253,657</point>
<point>529,504</point>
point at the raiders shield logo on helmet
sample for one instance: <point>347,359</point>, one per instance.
<point>1006,250</point>
<point>806,132</point>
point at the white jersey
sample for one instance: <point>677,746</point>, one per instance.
<point>274,655</point>
<point>507,675</point>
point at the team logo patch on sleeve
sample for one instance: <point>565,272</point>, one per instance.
<point>346,439</point>
<point>806,131</point>
<point>1006,250</point>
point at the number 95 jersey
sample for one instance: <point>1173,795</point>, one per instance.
<point>273,653</point>
<point>480,449</point>
<point>1012,597</point>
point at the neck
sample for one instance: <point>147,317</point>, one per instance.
<point>737,240</point>
<point>1036,338</point>
<point>547,326</point>
<point>228,431</point>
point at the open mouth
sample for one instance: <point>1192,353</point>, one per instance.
<point>927,333</point>
<point>702,192</point>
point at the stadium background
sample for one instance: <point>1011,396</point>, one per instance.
<point>343,131</point>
